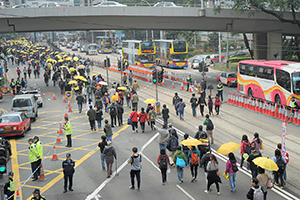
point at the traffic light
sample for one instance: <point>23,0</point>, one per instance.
<point>108,62</point>
<point>154,76</point>
<point>5,66</point>
<point>3,159</point>
<point>119,66</point>
<point>105,63</point>
<point>160,76</point>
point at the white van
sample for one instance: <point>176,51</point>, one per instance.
<point>27,104</point>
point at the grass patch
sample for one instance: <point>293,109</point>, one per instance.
<point>232,67</point>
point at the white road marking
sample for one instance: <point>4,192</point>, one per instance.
<point>185,192</point>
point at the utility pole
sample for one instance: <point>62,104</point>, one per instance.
<point>220,50</point>
<point>147,35</point>
<point>227,51</point>
<point>121,69</point>
<point>2,186</point>
<point>106,63</point>
<point>156,88</point>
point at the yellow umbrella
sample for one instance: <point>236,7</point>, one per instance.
<point>10,55</point>
<point>81,67</point>
<point>78,77</point>
<point>63,66</point>
<point>60,60</point>
<point>75,58</point>
<point>265,163</point>
<point>147,101</point>
<point>103,83</point>
<point>56,52</point>
<point>114,98</point>
<point>72,82</point>
<point>72,69</point>
<point>50,60</point>
<point>68,58</point>
<point>83,79</point>
<point>51,53</point>
<point>227,148</point>
<point>122,88</point>
<point>191,142</point>
<point>65,56</point>
<point>94,75</point>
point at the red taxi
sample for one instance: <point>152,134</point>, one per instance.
<point>229,79</point>
<point>14,124</point>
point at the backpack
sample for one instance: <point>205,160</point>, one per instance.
<point>234,167</point>
<point>280,163</point>
<point>173,144</point>
<point>194,158</point>
<point>257,193</point>
<point>210,125</point>
<point>113,110</point>
<point>194,102</point>
<point>180,162</point>
<point>247,149</point>
<point>121,95</point>
<point>98,92</point>
<point>89,90</point>
<point>106,99</point>
<point>163,162</point>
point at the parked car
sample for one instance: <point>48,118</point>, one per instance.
<point>74,48</point>
<point>22,6</point>
<point>239,53</point>
<point>165,4</point>
<point>27,104</point>
<point>110,4</point>
<point>215,58</point>
<point>229,79</point>
<point>82,49</point>
<point>50,5</point>
<point>198,59</point>
<point>1,96</point>
<point>36,92</point>
<point>63,44</point>
<point>14,124</point>
<point>69,46</point>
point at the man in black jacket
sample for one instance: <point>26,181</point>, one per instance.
<point>68,169</point>
<point>113,114</point>
<point>102,145</point>
<point>204,160</point>
<point>120,111</point>
<point>79,100</point>
<point>176,99</point>
<point>165,114</point>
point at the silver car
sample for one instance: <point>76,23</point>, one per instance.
<point>25,103</point>
<point>36,92</point>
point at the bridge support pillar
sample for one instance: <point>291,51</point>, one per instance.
<point>266,45</point>
<point>274,46</point>
<point>260,45</point>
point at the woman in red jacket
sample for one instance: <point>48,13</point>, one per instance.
<point>134,118</point>
<point>217,104</point>
<point>142,119</point>
<point>245,148</point>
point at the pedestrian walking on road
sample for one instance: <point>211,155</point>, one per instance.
<point>120,111</point>
<point>194,155</point>
<point>9,187</point>
<point>134,100</point>
<point>210,104</point>
<point>245,149</point>
<point>162,137</point>
<point>286,157</point>
<point>163,161</point>
<point>134,118</point>
<point>202,103</point>
<point>220,88</point>
<point>37,195</point>
<point>281,163</point>
<point>46,78</point>
<point>258,143</point>
<point>176,99</point>
<point>127,95</point>
<point>135,86</point>
<point>110,155</point>
<point>102,145</point>
<point>98,103</point>
<point>173,130</point>
<point>204,161</point>
<point>108,131</point>
<point>69,169</point>
<point>253,154</point>
<point>68,132</point>
<point>189,82</point>
<point>213,174</point>
<point>135,161</point>
<point>113,115</point>
<point>262,178</point>
<point>185,150</point>
<point>217,104</point>
<point>165,114</point>
<point>79,100</point>
<point>180,106</point>
<point>33,158</point>
<point>194,104</point>
<point>255,192</point>
<point>142,118</point>
<point>61,85</point>
<point>39,148</point>
<point>179,158</point>
<point>92,117</point>
<point>209,128</point>
<point>152,118</point>
<point>130,77</point>
<point>99,117</point>
<point>231,169</point>
<point>29,72</point>
<point>172,145</point>
<point>124,78</point>
<point>203,87</point>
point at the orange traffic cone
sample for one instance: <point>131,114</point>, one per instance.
<point>66,115</point>
<point>182,88</point>
<point>229,97</point>
<point>18,195</point>
<point>64,99</point>
<point>286,116</point>
<point>177,77</point>
<point>54,156</point>
<point>69,106</point>
<point>173,86</point>
<point>12,91</point>
<point>42,174</point>
<point>54,98</point>
<point>298,118</point>
<point>291,117</point>
<point>195,85</point>
<point>276,111</point>
<point>190,88</point>
<point>163,82</point>
<point>60,130</point>
<point>295,117</point>
<point>283,113</point>
<point>58,141</point>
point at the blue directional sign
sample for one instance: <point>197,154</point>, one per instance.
<point>68,94</point>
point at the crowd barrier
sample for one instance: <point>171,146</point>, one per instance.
<point>268,108</point>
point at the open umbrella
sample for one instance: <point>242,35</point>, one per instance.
<point>75,58</point>
<point>72,82</point>
<point>60,60</point>
<point>122,88</point>
<point>72,69</point>
<point>77,77</point>
<point>103,83</point>
<point>227,148</point>
<point>265,163</point>
<point>68,58</point>
<point>191,142</point>
<point>94,75</point>
<point>50,60</point>
<point>83,79</point>
<point>114,98</point>
<point>147,101</point>
<point>81,67</point>
<point>63,66</point>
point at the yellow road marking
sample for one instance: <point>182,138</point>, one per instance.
<point>117,133</point>
<point>32,186</point>
<point>15,165</point>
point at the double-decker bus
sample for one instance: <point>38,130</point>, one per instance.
<point>105,44</point>
<point>171,53</point>
<point>275,80</point>
<point>139,53</point>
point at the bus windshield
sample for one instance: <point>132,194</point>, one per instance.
<point>296,82</point>
<point>92,47</point>
<point>147,58</point>
<point>179,46</point>
<point>147,47</point>
<point>179,57</point>
<point>107,43</point>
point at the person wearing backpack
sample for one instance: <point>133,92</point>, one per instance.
<point>255,192</point>
<point>281,162</point>
<point>179,158</point>
<point>263,178</point>
<point>113,115</point>
<point>142,118</point>
<point>209,128</point>
<point>175,100</point>
<point>245,149</point>
<point>258,143</point>
<point>127,96</point>
<point>231,169</point>
<point>202,103</point>
<point>194,104</point>
<point>89,90</point>
<point>180,107</point>
<point>120,111</point>
<point>194,156</point>
<point>253,167</point>
<point>165,114</point>
<point>186,149</point>
<point>135,161</point>
<point>134,118</point>
<point>163,161</point>
<point>162,137</point>
<point>210,104</point>
<point>152,117</point>
<point>286,157</point>
<point>204,161</point>
<point>172,145</point>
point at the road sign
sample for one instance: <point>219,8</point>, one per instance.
<point>68,94</point>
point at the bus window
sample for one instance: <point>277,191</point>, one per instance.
<point>179,57</point>
<point>242,69</point>
<point>125,44</point>
<point>269,73</point>
<point>249,70</point>
<point>283,79</point>
<point>136,45</point>
<point>296,82</point>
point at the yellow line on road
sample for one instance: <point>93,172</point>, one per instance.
<point>15,165</point>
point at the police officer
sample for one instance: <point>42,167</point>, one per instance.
<point>220,88</point>
<point>37,195</point>
<point>68,169</point>
<point>68,131</point>
<point>33,157</point>
<point>39,147</point>
<point>9,188</point>
<point>189,82</point>
<point>294,104</point>
<point>13,86</point>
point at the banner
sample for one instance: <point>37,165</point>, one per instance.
<point>284,132</point>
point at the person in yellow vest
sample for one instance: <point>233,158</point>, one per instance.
<point>9,187</point>
<point>33,157</point>
<point>294,104</point>
<point>68,131</point>
<point>39,146</point>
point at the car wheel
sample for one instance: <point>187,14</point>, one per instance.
<point>29,128</point>
<point>23,134</point>
<point>41,105</point>
<point>250,93</point>
<point>277,99</point>
<point>36,114</point>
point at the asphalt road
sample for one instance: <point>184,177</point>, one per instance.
<point>89,177</point>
